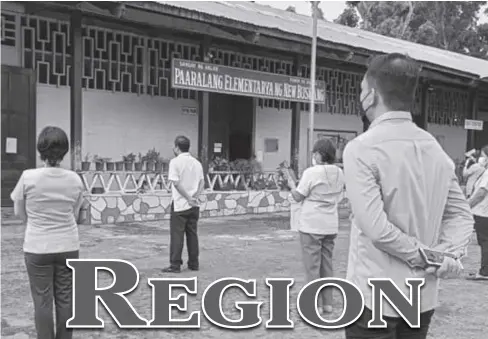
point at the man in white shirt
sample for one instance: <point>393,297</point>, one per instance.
<point>479,206</point>
<point>187,183</point>
<point>404,196</point>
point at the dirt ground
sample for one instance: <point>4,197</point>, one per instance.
<point>244,247</point>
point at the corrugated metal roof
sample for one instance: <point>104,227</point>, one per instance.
<point>269,17</point>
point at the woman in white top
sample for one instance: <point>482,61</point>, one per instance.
<point>49,199</point>
<point>472,171</point>
<point>320,190</point>
<point>479,206</point>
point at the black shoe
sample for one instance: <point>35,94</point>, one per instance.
<point>193,268</point>
<point>171,269</point>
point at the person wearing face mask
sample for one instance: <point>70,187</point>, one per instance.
<point>472,171</point>
<point>187,183</point>
<point>479,206</point>
<point>404,196</point>
<point>320,190</point>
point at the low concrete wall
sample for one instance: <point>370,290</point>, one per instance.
<point>116,208</point>
<point>112,208</point>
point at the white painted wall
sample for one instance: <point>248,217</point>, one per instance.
<point>453,139</point>
<point>115,124</point>
<point>328,122</point>
<point>10,56</point>
<point>273,123</point>
<point>53,110</point>
<point>118,124</point>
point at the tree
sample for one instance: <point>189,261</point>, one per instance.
<point>448,25</point>
<point>291,9</point>
<point>348,18</point>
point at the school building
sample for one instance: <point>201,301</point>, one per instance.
<point>124,78</point>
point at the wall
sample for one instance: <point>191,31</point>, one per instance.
<point>53,109</point>
<point>452,138</point>
<point>273,123</point>
<point>328,122</point>
<point>11,55</point>
<point>116,208</point>
<point>115,124</point>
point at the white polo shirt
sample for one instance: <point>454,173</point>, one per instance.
<point>481,209</point>
<point>188,171</point>
<point>52,198</point>
<point>322,186</point>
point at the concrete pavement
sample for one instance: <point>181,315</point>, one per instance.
<point>245,247</point>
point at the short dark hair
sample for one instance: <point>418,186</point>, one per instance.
<point>183,143</point>
<point>326,149</point>
<point>395,77</point>
<point>52,145</point>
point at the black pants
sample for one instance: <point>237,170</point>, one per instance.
<point>481,227</point>
<point>51,282</point>
<point>397,328</point>
<point>182,223</point>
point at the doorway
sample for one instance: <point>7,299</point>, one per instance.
<point>18,126</point>
<point>231,125</point>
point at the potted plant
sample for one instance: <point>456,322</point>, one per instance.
<point>161,164</point>
<point>151,158</point>
<point>110,164</point>
<point>129,161</point>
<point>139,163</point>
<point>99,163</point>
<point>85,164</point>
<point>119,165</point>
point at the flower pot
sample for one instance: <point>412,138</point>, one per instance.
<point>150,166</point>
<point>138,166</point>
<point>85,166</point>
<point>119,166</point>
<point>110,166</point>
<point>159,167</point>
<point>128,166</point>
<point>99,166</point>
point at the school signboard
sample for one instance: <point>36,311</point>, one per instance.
<point>476,125</point>
<point>200,76</point>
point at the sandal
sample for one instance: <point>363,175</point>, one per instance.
<point>477,276</point>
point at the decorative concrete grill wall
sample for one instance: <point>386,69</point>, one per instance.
<point>141,196</point>
<point>108,209</point>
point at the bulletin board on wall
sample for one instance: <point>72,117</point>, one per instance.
<point>339,137</point>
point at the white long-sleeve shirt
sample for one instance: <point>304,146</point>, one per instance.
<point>404,195</point>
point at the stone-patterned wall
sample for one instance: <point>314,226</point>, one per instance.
<point>112,208</point>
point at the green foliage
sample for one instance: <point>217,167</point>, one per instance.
<point>449,25</point>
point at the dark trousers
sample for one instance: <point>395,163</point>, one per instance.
<point>317,259</point>
<point>182,223</point>
<point>397,328</point>
<point>51,283</point>
<point>481,227</point>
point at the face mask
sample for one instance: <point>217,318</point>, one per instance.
<point>314,162</point>
<point>363,111</point>
<point>174,152</point>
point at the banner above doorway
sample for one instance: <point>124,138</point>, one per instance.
<point>200,76</point>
